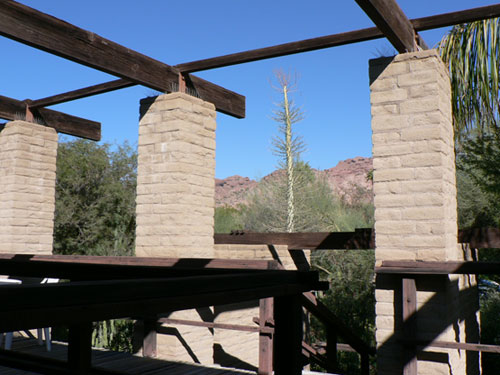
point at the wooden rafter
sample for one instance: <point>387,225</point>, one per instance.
<point>82,93</point>
<point>12,109</point>
<point>328,41</point>
<point>42,31</point>
<point>391,20</point>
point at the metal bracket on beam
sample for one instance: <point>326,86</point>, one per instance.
<point>29,117</point>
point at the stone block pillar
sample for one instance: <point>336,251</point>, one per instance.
<point>28,155</point>
<point>415,205</point>
<point>176,200</point>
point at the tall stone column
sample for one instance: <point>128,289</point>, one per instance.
<point>28,155</point>
<point>415,206</point>
<point>176,200</point>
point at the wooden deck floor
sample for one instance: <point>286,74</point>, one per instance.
<point>123,362</point>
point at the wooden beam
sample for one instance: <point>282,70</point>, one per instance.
<point>288,335</point>
<point>409,310</point>
<point>81,93</point>
<point>80,347</point>
<point>455,18</point>
<point>437,268</point>
<point>28,306</point>
<point>360,239</point>
<point>390,19</point>
<point>12,109</point>
<point>42,31</point>
<point>334,40</point>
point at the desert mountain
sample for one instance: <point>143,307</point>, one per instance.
<point>348,179</point>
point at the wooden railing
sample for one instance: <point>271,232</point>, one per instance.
<point>408,272</point>
<point>130,287</point>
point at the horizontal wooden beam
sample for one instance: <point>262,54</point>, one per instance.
<point>334,40</point>
<point>360,239</point>
<point>74,268</point>
<point>81,93</point>
<point>437,268</point>
<point>39,30</point>
<point>390,19</point>
<point>176,263</point>
<point>12,109</point>
<point>28,306</point>
<point>455,18</point>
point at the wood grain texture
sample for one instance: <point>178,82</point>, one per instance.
<point>11,109</point>
<point>390,19</point>
<point>50,34</point>
<point>81,93</point>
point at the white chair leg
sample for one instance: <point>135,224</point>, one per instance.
<point>48,344</point>
<point>39,336</point>
<point>8,340</point>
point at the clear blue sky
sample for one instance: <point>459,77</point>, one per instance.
<point>333,83</point>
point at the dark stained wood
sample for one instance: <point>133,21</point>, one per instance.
<point>95,268</point>
<point>42,31</point>
<point>360,239</point>
<point>327,317</point>
<point>288,335</point>
<point>266,314</point>
<point>233,327</point>
<point>11,109</point>
<point>79,347</point>
<point>328,41</point>
<point>409,299</point>
<point>331,348</point>
<point>149,342</point>
<point>460,345</point>
<point>82,93</point>
<point>30,306</point>
<point>281,50</point>
<point>390,19</point>
<point>455,18</point>
<point>179,263</point>
<point>437,268</point>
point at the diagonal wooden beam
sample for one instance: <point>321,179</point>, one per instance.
<point>390,19</point>
<point>81,93</point>
<point>50,34</point>
<point>12,109</point>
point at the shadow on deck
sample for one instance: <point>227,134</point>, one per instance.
<point>124,363</point>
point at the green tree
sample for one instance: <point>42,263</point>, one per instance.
<point>95,199</point>
<point>227,219</point>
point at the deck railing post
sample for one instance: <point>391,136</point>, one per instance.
<point>409,300</point>
<point>331,348</point>
<point>80,347</point>
<point>265,339</point>
<point>149,343</point>
<point>288,335</point>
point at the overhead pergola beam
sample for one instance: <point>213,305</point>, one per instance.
<point>328,41</point>
<point>12,109</point>
<point>391,20</point>
<point>334,40</point>
<point>82,93</point>
<point>42,31</point>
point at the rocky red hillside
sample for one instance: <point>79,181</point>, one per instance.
<point>347,179</point>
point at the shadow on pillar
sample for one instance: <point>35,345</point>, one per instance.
<point>445,309</point>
